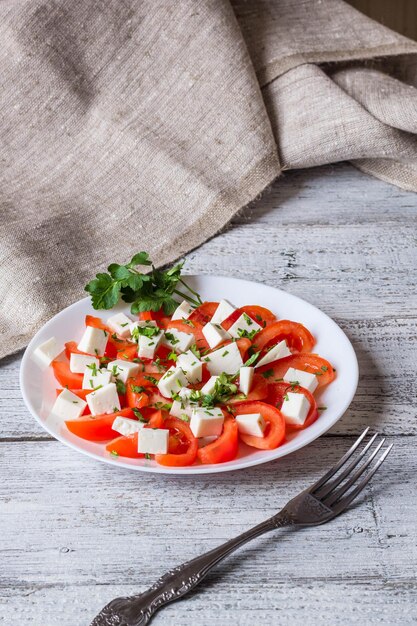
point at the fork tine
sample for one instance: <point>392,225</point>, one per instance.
<point>348,499</point>
<point>331,485</point>
<point>337,492</point>
<point>339,464</point>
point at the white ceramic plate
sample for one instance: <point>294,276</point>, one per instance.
<point>38,387</point>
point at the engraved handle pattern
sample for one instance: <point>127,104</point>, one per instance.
<point>138,610</point>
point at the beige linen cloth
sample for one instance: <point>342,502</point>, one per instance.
<point>145,125</point>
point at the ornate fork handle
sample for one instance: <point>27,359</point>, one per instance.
<point>138,610</point>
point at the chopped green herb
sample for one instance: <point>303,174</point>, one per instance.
<point>147,456</point>
<point>114,453</point>
<point>225,353</point>
<point>188,322</point>
<point>138,389</point>
<point>93,368</point>
<point>321,408</point>
<point>268,373</point>
<point>324,368</point>
<point>172,338</point>
<point>138,414</point>
<point>247,333</point>
<point>145,292</point>
<point>195,351</point>
<point>172,356</point>
<point>157,363</point>
<point>152,379</point>
<point>120,386</point>
<point>125,324</point>
<point>247,319</point>
<point>116,338</point>
<point>115,409</point>
<point>252,359</point>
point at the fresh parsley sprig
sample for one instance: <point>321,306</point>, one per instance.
<point>145,292</point>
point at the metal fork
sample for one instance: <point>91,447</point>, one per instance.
<point>327,498</point>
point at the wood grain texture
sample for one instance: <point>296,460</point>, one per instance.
<point>75,533</point>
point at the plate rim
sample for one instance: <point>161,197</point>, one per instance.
<point>194,469</point>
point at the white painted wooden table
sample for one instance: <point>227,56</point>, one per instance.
<point>75,533</point>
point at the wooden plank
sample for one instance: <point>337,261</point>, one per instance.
<point>75,537</point>
<point>75,533</point>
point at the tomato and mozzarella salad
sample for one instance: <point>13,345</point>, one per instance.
<point>186,388</point>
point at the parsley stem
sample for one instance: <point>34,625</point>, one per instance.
<point>192,291</point>
<point>187,297</point>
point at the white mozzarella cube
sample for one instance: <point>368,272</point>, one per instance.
<point>215,334</point>
<point>226,359</point>
<point>191,366</point>
<point>153,441</point>
<point>206,422</point>
<point>182,406</point>
<point>222,312</point>
<point>149,345</point>
<point>46,352</point>
<point>183,311</point>
<point>279,351</point>
<point>246,379</point>
<point>244,326</point>
<point>177,340</point>
<point>120,324</point>
<point>104,400</point>
<point>172,381</point>
<point>251,424</point>
<point>208,388</point>
<point>68,406</point>
<point>140,324</point>
<point>78,362</point>
<point>122,370</point>
<point>126,426</point>
<point>304,379</point>
<point>94,377</point>
<point>295,408</point>
<point>93,341</point>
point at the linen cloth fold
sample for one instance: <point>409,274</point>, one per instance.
<point>145,125</point>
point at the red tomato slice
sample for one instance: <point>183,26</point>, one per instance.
<point>95,322</point>
<point>126,446</point>
<point>98,427</point>
<point>243,344</point>
<point>71,348</point>
<point>136,398</point>
<point>192,329</point>
<point>225,447</point>
<point>129,353</point>
<point>81,393</point>
<point>229,321</point>
<point>203,313</point>
<point>187,446</point>
<point>259,391</point>
<point>312,363</point>
<point>65,377</point>
<point>298,338</point>
<point>277,392</point>
<point>259,314</point>
<point>157,316</point>
<point>275,432</point>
